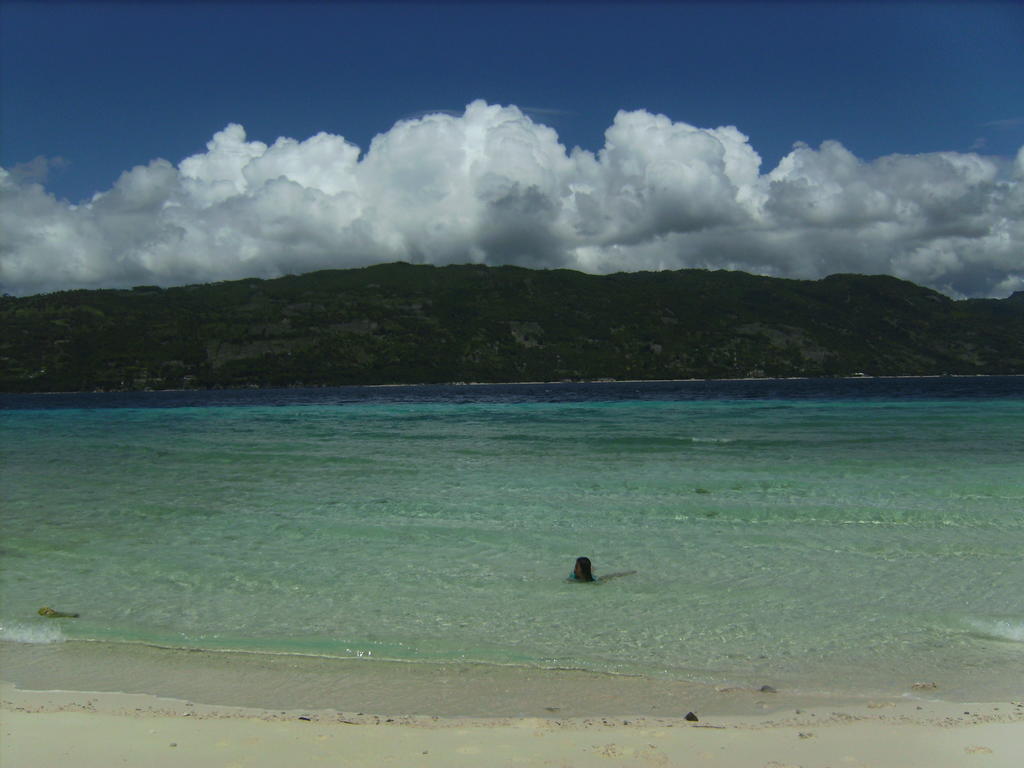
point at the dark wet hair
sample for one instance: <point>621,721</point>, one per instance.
<point>583,564</point>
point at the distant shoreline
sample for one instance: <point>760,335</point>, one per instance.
<point>864,377</point>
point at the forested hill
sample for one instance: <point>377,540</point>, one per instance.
<point>399,323</point>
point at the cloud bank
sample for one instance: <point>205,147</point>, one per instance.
<point>493,186</point>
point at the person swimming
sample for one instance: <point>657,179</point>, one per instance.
<point>582,570</point>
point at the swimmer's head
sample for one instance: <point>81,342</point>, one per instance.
<point>582,569</point>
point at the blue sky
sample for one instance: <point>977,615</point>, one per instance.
<point>108,86</point>
<point>91,90</point>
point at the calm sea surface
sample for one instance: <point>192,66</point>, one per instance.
<point>852,535</point>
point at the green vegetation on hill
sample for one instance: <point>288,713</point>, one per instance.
<point>400,323</point>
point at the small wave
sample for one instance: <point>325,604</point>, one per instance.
<point>35,634</point>
<point>999,629</point>
<point>351,654</point>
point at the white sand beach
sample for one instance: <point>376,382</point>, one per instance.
<point>94,705</point>
<point>97,730</point>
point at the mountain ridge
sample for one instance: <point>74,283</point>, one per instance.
<point>401,323</point>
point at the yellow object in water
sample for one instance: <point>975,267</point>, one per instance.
<point>49,612</point>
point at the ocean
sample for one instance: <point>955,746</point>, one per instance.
<point>849,537</point>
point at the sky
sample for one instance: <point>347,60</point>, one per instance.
<point>176,143</point>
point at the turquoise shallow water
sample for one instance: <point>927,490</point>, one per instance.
<point>825,542</point>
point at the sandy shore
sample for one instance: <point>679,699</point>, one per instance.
<point>95,705</point>
<point>94,730</point>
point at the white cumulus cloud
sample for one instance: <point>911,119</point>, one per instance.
<point>493,186</point>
